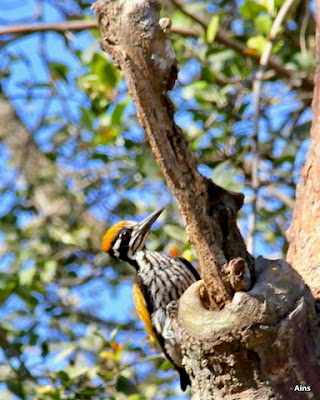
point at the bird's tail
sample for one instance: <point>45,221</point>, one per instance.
<point>184,379</point>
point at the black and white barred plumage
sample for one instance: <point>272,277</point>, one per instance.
<point>160,279</point>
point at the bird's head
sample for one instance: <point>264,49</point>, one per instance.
<point>125,238</point>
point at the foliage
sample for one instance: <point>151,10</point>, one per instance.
<point>67,327</point>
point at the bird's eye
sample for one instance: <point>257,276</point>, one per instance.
<point>125,235</point>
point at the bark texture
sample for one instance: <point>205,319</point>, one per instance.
<point>260,346</point>
<point>304,232</point>
<point>237,343</point>
<point>136,38</point>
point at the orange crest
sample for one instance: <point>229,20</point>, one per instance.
<point>110,235</point>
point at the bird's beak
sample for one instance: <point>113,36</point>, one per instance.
<point>143,228</point>
<point>145,225</point>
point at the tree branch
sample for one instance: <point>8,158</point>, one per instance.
<point>273,62</point>
<point>83,316</point>
<point>222,37</point>
<point>257,85</point>
<point>136,39</point>
<point>304,234</point>
<point>76,26</point>
<point>233,353</point>
<point>258,347</point>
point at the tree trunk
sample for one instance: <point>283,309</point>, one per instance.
<point>248,330</point>
<point>261,346</point>
<point>304,232</point>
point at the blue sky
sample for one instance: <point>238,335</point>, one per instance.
<point>110,304</point>
<point>96,297</point>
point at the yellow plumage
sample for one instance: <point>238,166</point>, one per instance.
<point>142,310</point>
<point>157,282</point>
<point>111,234</point>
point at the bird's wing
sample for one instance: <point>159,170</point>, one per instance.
<point>191,268</point>
<point>169,348</point>
<point>144,309</point>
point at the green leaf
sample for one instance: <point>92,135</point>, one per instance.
<point>113,333</point>
<point>196,87</point>
<point>257,43</point>
<point>224,175</point>
<point>75,372</point>
<point>105,135</point>
<point>106,72</point>
<point>64,353</point>
<point>124,385</point>
<point>16,388</point>
<point>303,131</point>
<point>44,349</point>
<point>212,29</point>
<point>58,71</point>
<point>270,6</point>
<point>87,117</point>
<point>166,366</point>
<point>251,9</point>
<point>48,271</point>
<point>117,113</point>
<point>305,61</point>
<point>263,24</point>
<point>6,287</point>
<point>26,276</point>
<point>63,376</point>
<point>289,152</point>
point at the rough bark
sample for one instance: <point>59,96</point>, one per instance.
<point>260,346</point>
<point>304,232</point>
<point>248,344</point>
<point>137,40</point>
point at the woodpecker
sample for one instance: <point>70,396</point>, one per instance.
<point>159,280</point>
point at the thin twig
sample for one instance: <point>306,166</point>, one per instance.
<point>153,357</point>
<point>194,17</point>
<point>302,36</point>
<point>280,195</point>
<point>257,85</point>
<point>24,29</point>
<point>82,315</point>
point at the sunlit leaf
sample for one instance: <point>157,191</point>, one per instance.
<point>251,9</point>
<point>224,175</point>
<point>212,28</point>
<point>26,276</point>
<point>263,24</point>
<point>48,271</point>
<point>257,43</point>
